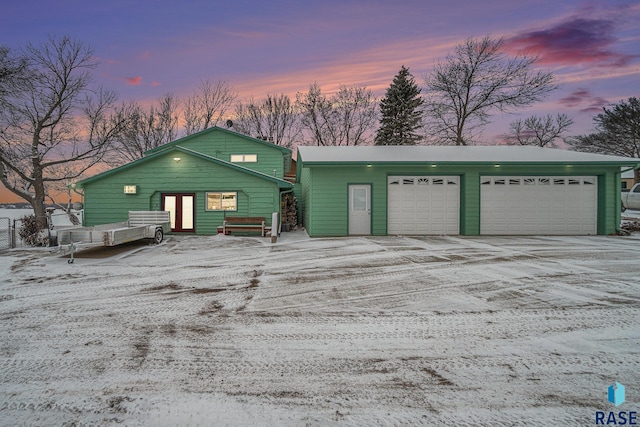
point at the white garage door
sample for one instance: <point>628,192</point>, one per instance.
<point>423,205</point>
<point>538,205</point>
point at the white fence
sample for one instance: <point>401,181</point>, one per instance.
<point>11,223</point>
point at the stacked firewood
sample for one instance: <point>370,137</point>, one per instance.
<point>290,210</point>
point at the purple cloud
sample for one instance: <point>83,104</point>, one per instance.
<point>576,41</point>
<point>584,101</point>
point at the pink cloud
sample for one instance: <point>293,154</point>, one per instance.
<point>574,41</point>
<point>134,81</point>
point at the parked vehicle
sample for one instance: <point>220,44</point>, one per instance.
<point>141,225</point>
<point>631,199</point>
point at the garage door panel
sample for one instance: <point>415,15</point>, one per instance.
<point>423,205</point>
<point>538,205</point>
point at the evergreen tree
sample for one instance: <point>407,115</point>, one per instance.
<point>400,111</point>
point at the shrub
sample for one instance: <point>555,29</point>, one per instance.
<point>31,232</point>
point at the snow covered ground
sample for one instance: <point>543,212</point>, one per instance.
<point>228,330</point>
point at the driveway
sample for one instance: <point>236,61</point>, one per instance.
<point>355,331</point>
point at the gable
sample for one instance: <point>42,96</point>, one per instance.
<point>171,168</point>
<point>230,146</point>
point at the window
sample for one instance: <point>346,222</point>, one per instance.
<point>244,158</point>
<point>359,199</point>
<point>130,189</point>
<point>222,201</point>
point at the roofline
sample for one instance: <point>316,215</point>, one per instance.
<point>281,183</point>
<point>211,129</point>
<point>632,164</point>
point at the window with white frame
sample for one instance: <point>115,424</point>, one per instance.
<point>244,158</point>
<point>222,201</point>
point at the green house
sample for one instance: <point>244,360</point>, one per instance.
<point>434,190</point>
<point>200,179</point>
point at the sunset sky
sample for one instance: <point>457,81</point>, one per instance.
<point>149,48</point>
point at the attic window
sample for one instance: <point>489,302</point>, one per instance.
<point>244,158</point>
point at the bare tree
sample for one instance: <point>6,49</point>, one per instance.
<point>56,126</point>
<point>273,118</point>
<point>538,131</point>
<point>145,130</point>
<point>13,74</point>
<point>475,80</point>
<point>207,106</point>
<point>347,118</point>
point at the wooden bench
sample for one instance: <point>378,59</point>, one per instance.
<point>244,224</point>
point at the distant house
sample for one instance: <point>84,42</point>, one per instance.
<point>200,179</point>
<point>432,190</point>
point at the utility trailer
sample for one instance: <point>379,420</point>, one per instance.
<point>141,225</point>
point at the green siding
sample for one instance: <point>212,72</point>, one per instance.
<point>221,144</point>
<point>325,193</point>
<point>105,201</point>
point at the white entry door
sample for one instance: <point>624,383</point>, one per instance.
<point>360,209</point>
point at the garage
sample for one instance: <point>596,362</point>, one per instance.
<point>527,205</point>
<point>422,205</point>
<point>459,190</point>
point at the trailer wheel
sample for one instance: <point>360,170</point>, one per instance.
<point>158,236</point>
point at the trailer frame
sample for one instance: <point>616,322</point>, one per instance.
<point>140,225</point>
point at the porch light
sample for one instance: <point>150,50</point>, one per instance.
<point>176,159</point>
<point>496,166</point>
<point>369,165</point>
<point>433,165</point>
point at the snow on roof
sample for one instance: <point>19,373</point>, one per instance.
<point>454,154</point>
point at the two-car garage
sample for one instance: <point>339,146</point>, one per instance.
<point>555,205</point>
